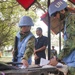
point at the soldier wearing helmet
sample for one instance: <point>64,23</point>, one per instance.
<point>26,41</point>
<point>58,9</point>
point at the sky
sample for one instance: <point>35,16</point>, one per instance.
<point>40,23</point>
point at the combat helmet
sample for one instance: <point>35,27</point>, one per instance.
<point>57,5</point>
<point>25,21</point>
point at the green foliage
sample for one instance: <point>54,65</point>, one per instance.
<point>6,24</point>
<point>10,13</point>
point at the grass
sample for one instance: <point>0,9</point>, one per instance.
<point>5,59</point>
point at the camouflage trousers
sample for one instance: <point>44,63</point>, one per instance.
<point>71,71</point>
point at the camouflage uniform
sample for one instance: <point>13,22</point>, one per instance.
<point>69,46</point>
<point>29,47</point>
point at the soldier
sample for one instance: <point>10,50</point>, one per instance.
<point>53,52</point>
<point>26,41</point>
<point>59,10</point>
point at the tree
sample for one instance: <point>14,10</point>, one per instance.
<point>10,13</point>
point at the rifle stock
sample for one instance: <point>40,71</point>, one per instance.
<point>15,50</point>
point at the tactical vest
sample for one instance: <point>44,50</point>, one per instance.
<point>22,47</point>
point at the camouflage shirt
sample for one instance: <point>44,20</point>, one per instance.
<point>69,44</point>
<point>29,47</point>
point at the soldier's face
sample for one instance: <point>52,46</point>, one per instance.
<point>25,29</point>
<point>60,15</point>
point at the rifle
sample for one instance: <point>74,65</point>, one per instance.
<point>15,49</point>
<point>4,66</point>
